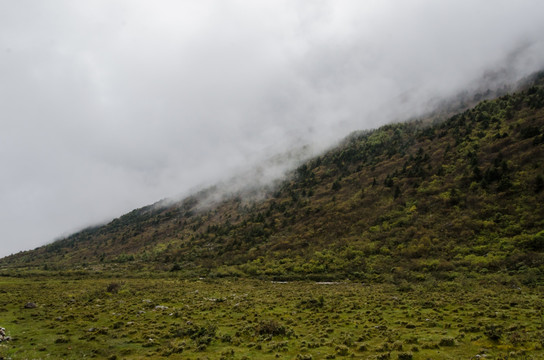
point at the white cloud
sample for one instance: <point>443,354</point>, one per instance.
<point>110,105</point>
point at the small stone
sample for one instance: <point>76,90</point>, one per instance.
<point>30,305</point>
<point>3,336</point>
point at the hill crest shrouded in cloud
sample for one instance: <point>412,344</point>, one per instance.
<point>440,196</point>
<point>108,106</point>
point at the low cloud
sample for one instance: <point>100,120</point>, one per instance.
<point>106,106</point>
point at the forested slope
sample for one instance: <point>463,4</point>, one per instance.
<point>406,201</point>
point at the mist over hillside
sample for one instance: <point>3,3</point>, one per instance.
<point>108,106</point>
<point>440,197</point>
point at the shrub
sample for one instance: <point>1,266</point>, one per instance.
<point>270,327</point>
<point>342,350</point>
<point>447,341</point>
<point>493,332</point>
<point>202,335</point>
<point>312,303</point>
<point>113,288</point>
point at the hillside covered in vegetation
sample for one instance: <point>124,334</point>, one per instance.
<point>407,201</point>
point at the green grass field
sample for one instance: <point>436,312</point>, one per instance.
<point>137,318</point>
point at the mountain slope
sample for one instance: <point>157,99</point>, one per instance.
<point>404,201</point>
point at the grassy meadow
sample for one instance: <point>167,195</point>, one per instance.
<point>78,317</point>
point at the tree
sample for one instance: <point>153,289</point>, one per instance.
<point>539,183</point>
<point>397,192</point>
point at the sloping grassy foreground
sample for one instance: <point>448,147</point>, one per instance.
<point>251,319</point>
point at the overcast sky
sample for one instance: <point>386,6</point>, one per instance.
<point>106,106</point>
